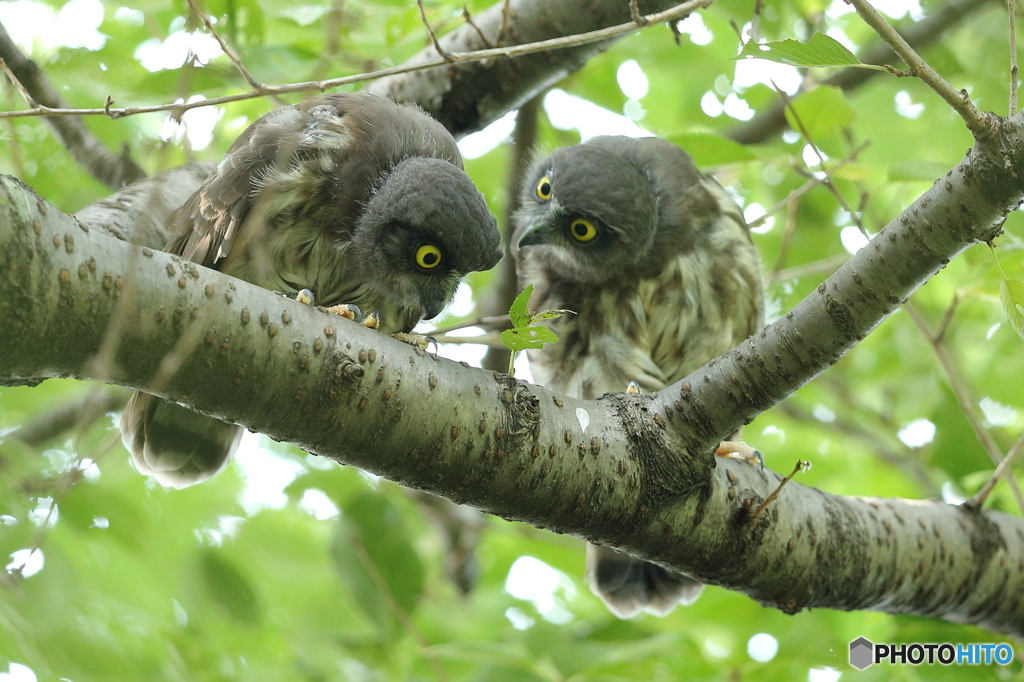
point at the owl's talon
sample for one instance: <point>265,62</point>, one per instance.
<point>417,340</point>
<point>347,310</point>
<point>372,321</point>
<point>737,449</point>
<point>305,296</point>
<point>633,387</point>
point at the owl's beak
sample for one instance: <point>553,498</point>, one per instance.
<point>532,237</point>
<point>433,309</point>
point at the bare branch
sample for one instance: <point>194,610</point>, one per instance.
<point>256,85</point>
<point>430,31</point>
<point>963,396</point>
<point>468,18</point>
<point>1001,470</point>
<point>978,123</point>
<point>1014,69</point>
<point>576,40</point>
<point>772,120</point>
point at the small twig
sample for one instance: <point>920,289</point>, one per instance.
<point>482,321</point>
<point>1014,69</point>
<point>17,84</point>
<point>947,317</point>
<point>787,237</point>
<point>755,21</point>
<point>469,20</point>
<point>224,46</point>
<point>506,19</point>
<point>433,36</point>
<point>801,465</point>
<point>980,124</point>
<point>827,180</point>
<point>980,497</point>
<point>511,52</point>
<point>825,265</point>
<point>964,398</point>
<point>900,73</point>
<point>803,189</point>
<point>489,340</point>
<point>634,12</point>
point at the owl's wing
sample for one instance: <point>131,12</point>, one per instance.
<point>207,224</point>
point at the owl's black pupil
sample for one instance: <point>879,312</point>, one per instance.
<point>545,189</point>
<point>429,258</point>
<point>581,229</point>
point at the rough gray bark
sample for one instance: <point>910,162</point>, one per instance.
<point>635,472</point>
<point>138,213</point>
<point>467,97</point>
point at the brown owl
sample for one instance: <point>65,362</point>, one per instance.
<point>656,260</point>
<point>360,200</point>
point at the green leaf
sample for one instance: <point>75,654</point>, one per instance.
<point>525,338</point>
<point>819,51</point>
<point>925,171</point>
<point>229,588</point>
<point>711,149</point>
<point>1011,293</point>
<point>517,313</point>
<point>377,561</point>
<point>822,112</point>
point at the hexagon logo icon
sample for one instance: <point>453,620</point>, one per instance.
<point>861,653</point>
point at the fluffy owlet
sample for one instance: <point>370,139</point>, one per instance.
<point>358,199</point>
<point>656,260</point>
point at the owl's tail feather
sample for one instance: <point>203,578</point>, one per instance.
<point>173,444</point>
<point>628,585</point>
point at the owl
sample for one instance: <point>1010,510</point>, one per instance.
<point>656,261</point>
<point>359,200</point>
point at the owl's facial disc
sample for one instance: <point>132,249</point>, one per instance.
<point>424,228</point>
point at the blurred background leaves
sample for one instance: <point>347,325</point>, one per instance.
<point>289,567</point>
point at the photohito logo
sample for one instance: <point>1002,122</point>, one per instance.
<point>864,653</point>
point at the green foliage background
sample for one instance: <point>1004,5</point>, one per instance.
<point>142,583</point>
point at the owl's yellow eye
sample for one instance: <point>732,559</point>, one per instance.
<point>544,188</point>
<point>428,256</point>
<point>582,230</point>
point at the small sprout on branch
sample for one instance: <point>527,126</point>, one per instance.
<point>525,334</point>
<point>801,465</point>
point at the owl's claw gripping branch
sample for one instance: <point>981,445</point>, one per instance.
<point>418,340</point>
<point>347,310</point>
<point>737,449</point>
<point>372,321</point>
<point>305,296</point>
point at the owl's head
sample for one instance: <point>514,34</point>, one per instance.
<point>424,228</point>
<point>587,215</point>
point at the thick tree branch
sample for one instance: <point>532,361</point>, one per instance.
<point>631,471</point>
<point>138,213</point>
<point>580,45</point>
<point>112,170</point>
<point>920,34</point>
<point>467,97</point>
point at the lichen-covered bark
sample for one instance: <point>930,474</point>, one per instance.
<point>631,471</point>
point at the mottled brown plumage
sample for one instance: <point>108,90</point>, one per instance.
<point>666,280</point>
<point>337,195</point>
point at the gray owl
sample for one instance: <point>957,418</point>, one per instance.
<point>656,260</point>
<point>356,198</point>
